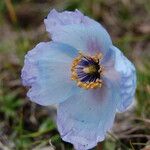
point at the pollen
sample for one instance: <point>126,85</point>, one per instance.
<point>87,71</point>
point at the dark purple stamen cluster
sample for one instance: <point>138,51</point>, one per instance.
<point>88,77</point>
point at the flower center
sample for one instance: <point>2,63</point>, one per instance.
<point>87,71</point>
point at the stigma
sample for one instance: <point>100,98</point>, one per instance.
<point>86,70</point>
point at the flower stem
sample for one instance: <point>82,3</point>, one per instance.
<point>99,146</point>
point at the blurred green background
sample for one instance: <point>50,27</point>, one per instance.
<point>27,126</point>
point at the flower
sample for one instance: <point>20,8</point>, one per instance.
<point>84,73</point>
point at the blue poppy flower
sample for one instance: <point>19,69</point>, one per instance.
<point>84,73</point>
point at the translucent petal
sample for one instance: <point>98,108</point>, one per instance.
<point>47,71</point>
<point>79,31</point>
<point>84,119</point>
<point>128,79</point>
<point>55,20</point>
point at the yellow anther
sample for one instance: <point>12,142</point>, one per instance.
<point>79,83</point>
<point>100,56</point>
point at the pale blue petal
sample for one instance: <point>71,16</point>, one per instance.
<point>89,36</point>
<point>92,39</point>
<point>56,20</point>
<point>47,71</point>
<point>84,119</point>
<point>108,61</point>
<point>128,79</point>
